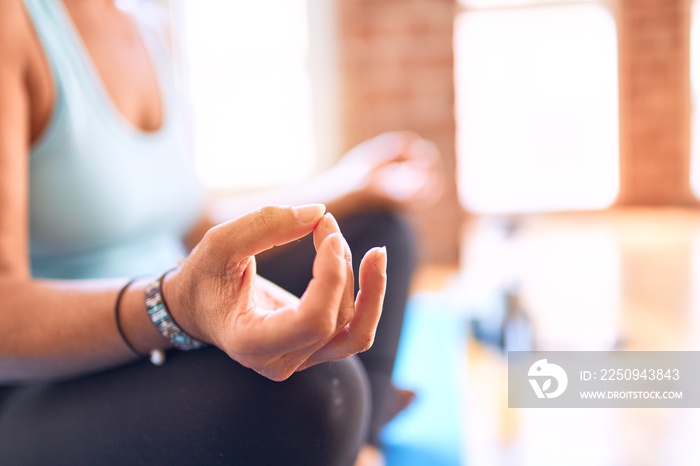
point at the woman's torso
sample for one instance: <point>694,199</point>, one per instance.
<point>112,186</point>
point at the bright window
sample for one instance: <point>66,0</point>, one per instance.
<point>537,106</point>
<point>250,90</point>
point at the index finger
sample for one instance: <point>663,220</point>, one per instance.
<point>266,228</point>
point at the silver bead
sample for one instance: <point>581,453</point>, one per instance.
<point>157,357</point>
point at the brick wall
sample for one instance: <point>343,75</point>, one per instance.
<point>396,69</point>
<point>654,53</point>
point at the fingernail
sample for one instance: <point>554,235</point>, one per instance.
<point>309,212</point>
<point>333,223</point>
<point>382,260</point>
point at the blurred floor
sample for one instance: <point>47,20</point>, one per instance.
<point>589,281</point>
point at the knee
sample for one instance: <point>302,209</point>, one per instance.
<point>327,414</point>
<point>383,228</point>
<point>397,232</point>
<point>317,417</point>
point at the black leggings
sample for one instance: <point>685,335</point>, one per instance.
<point>202,408</point>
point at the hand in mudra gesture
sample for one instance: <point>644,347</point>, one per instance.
<point>217,297</point>
<point>395,170</point>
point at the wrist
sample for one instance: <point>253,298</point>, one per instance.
<point>180,306</point>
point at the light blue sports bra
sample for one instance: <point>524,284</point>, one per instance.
<point>106,199</point>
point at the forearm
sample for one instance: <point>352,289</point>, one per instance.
<point>52,329</point>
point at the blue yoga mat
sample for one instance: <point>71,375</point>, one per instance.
<point>431,361</point>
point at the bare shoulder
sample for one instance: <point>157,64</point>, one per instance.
<point>15,33</point>
<point>15,44</point>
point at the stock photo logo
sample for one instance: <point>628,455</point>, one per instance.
<point>541,374</point>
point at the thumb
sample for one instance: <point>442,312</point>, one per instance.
<point>268,227</point>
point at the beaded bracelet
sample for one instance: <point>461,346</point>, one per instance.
<point>165,323</point>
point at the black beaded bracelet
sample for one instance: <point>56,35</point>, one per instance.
<point>156,356</point>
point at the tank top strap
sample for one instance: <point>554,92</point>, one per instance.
<point>62,46</point>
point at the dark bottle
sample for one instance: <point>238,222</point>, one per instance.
<point>516,330</point>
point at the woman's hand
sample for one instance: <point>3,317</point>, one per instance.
<point>398,169</point>
<point>217,297</point>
